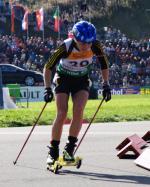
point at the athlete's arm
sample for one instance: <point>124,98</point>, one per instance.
<point>52,61</point>
<point>47,77</point>
<point>102,59</point>
<point>105,75</point>
<point>96,47</point>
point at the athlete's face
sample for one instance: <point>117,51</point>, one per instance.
<point>84,46</point>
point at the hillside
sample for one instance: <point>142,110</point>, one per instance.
<point>132,17</point>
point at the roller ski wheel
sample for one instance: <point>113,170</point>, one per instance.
<point>79,163</point>
<point>53,168</point>
<point>56,168</point>
<point>50,167</point>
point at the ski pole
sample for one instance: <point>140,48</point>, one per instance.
<point>89,125</point>
<point>30,133</point>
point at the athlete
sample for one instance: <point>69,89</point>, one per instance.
<point>73,59</point>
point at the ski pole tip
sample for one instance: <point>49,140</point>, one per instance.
<point>14,162</point>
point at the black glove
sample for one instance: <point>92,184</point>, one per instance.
<point>106,92</point>
<point>48,95</point>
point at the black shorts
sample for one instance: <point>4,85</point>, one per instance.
<point>69,84</point>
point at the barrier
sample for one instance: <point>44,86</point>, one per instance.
<point>15,94</point>
<point>132,143</point>
<point>8,102</point>
<point>146,136</point>
<point>14,90</point>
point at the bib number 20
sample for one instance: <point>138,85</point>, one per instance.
<point>81,64</point>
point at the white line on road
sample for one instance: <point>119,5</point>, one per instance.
<point>90,133</point>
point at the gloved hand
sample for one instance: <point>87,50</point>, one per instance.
<point>106,92</point>
<point>48,95</point>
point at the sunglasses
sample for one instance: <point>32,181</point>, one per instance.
<point>83,43</point>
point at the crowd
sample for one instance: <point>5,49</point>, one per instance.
<point>129,60</point>
<point>30,54</point>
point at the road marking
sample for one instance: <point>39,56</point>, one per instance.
<point>89,133</point>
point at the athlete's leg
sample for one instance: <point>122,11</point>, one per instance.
<point>62,109</point>
<point>79,102</point>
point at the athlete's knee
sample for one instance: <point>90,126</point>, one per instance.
<point>78,111</point>
<point>62,114</point>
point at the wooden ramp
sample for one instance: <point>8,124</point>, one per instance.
<point>132,143</point>
<point>144,159</point>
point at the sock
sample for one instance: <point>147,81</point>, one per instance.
<point>72,140</point>
<point>55,143</point>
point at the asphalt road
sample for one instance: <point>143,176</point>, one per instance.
<point>100,167</point>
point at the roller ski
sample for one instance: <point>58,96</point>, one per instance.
<point>52,157</point>
<point>58,164</point>
<point>55,162</point>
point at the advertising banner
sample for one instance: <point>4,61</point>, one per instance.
<point>132,90</point>
<point>118,91</point>
<point>145,90</point>
<point>122,91</point>
<point>32,94</point>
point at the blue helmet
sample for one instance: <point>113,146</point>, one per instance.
<point>84,31</point>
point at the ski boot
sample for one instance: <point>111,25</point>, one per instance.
<point>69,149</point>
<point>52,157</point>
<point>68,153</point>
<point>68,156</point>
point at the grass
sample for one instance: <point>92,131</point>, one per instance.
<point>120,108</point>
